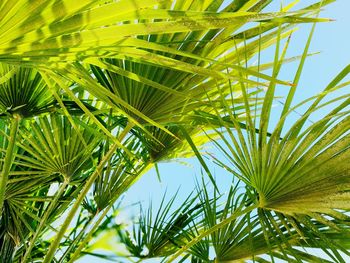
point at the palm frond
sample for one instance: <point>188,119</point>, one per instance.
<point>24,93</point>
<point>302,177</point>
<point>54,146</point>
<point>160,235</point>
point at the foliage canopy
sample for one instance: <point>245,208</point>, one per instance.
<point>93,94</point>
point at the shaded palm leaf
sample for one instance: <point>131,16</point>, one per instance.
<point>24,93</point>
<point>119,174</point>
<point>160,235</point>
<point>52,145</point>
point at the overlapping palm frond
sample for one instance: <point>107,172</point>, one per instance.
<point>161,234</point>
<point>168,94</point>
<point>53,145</point>
<point>50,152</point>
<point>151,44</point>
<point>299,177</point>
<point>140,62</point>
<point>24,92</point>
<point>24,206</point>
<point>25,199</point>
<point>71,30</point>
<point>157,76</point>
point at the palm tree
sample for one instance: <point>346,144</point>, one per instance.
<point>95,93</point>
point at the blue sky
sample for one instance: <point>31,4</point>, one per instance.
<point>331,39</point>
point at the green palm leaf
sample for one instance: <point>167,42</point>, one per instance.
<point>54,146</point>
<point>303,176</point>
<point>24,93</point>
<point>161,75</point>
<point>160,235</point>
<point>75,29</point>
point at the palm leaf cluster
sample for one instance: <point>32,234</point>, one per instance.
<point>93,94</point>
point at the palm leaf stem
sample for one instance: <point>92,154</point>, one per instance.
<point>8,158</point>
<point>87,238</point>
<point>45,217</point>
<point>76,238</point>
<point>56,242</point>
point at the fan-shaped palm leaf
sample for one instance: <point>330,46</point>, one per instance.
<point>139,63</point>
<point>160,235</point>
<point>54,146</point>
<point>90,28</point>
<point>24,204</point>
<point>50,146</point>
<point>24,93</point>
<point>303,158</point>
<point>302,177</point>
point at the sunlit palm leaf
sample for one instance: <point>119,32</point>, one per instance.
<point>152,64</point>
<point>77,28</point>
<point>88,28</point>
